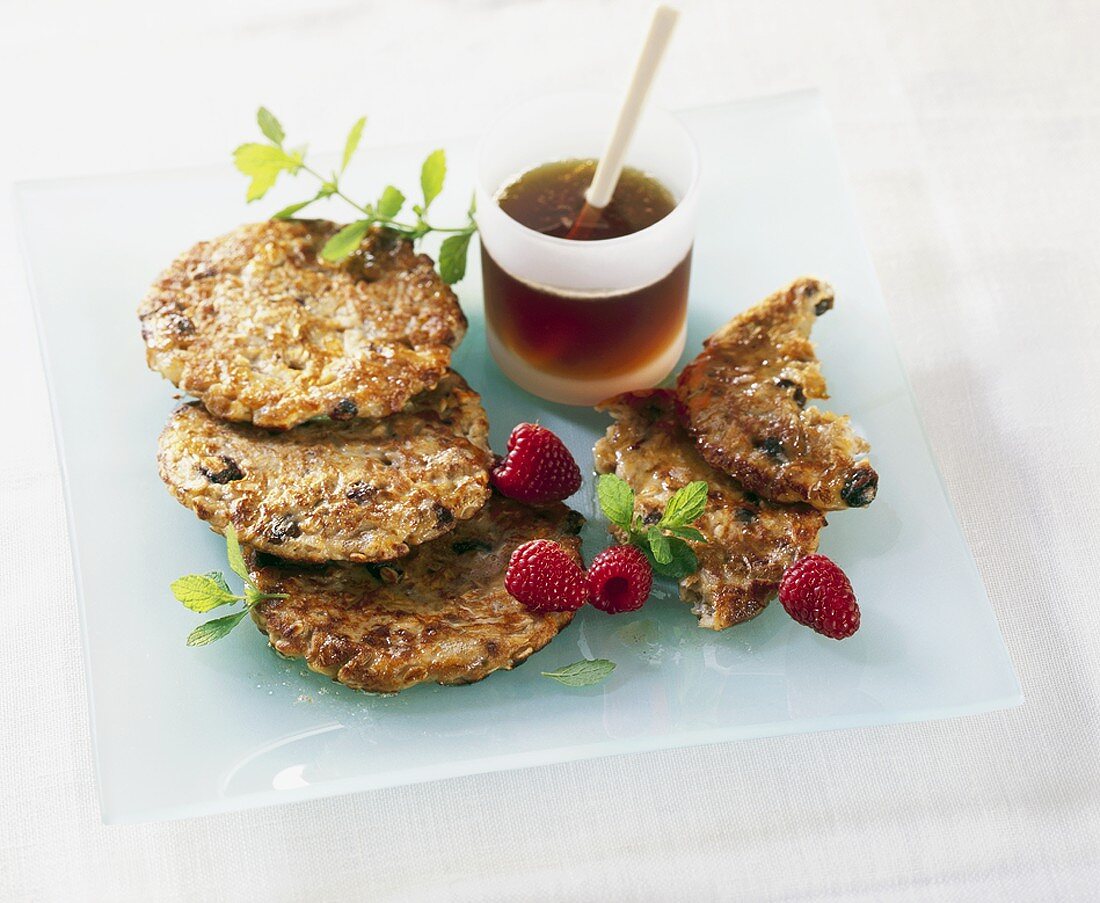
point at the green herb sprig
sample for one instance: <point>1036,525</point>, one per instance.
<point>585,673</point>
<point>664,542</point>
<point>205,592</point>
<point>263,163</point>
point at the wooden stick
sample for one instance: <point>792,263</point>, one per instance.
<point>610,166</point>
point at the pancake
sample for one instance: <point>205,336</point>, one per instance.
<point>744,400</point>
<point>355,490</point>
<point>440,614</point>
<point>260,328</point>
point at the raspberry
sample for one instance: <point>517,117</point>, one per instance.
<point>544,577</point>
<point>538,467</point>
<point>619,579</point>
<point>817,593</point>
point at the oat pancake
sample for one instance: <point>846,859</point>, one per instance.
<point>440,614</point>
<point>356,490</point>
<point>750,541</point>
<point>745,402</point>
<point>259,328</point>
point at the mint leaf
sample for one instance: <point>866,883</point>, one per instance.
<point>686,505</point>
<point>207,633</point>
<point>683,557</point>
<point>686,533</point>
<point>345,241</point>
<point>452,257</point>
<point>269,125</point>
<point>353,141</point>
<point>263,163</point>
<point>616,499</point>
<point>682,562</point>
<point>659,545</point>
<point>583,673</point>
<point>390,203</point>
<point>202,592</point>
<point>288,212</point>
<point>432,174</point>
<point>235,555</point>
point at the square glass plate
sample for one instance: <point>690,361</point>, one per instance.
<point>182,731</point>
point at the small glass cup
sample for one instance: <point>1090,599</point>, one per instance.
<point>580,321</point>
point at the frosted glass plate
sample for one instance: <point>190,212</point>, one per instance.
<point>183,731</point>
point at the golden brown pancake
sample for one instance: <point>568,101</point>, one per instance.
<point>355,490</point>
<point>439,614</point>
<point>744,400</point>
<point>260,328</point>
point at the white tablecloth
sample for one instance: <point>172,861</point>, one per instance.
<point>971,131</point>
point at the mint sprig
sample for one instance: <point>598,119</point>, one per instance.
<point>263,163</point>
<point>665,543</point>
<point>584,673</point>
<point>205,592</point>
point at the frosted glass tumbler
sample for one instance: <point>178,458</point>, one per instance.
<point>585,286</point>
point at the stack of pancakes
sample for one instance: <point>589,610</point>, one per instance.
<point>352,461</point>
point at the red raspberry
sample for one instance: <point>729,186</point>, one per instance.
<point>619,579</point>
<point>544,577</point>
<point>817,593</point>
<point>538,467</point>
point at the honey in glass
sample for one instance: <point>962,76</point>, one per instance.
<point>584,335</point>
<point>581,308</point>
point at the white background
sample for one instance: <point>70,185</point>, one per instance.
<point>971,131</point>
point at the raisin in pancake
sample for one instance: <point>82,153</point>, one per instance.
<point>357,490</point>
<point>744,398</point>
<point>440,614</point>
<point>750,541</point>
<point>260,328</point>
